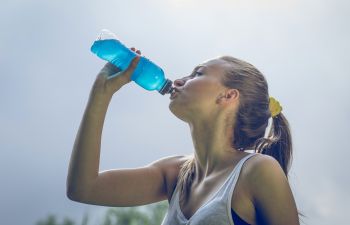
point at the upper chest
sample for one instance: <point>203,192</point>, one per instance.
<point>200,194</point>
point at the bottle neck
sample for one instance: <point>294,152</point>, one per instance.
<point>166,88</point>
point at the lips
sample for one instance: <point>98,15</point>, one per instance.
<point>173,95</point>
<point>175,89</point>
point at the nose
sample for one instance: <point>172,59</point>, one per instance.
<point>179,82</point>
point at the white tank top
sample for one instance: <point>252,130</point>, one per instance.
<point>216,211</point>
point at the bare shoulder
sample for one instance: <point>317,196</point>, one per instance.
<point>270,191</point>
<point>262,166</point>
<point>170,167</point>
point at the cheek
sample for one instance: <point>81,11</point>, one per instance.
<point>201,91</point>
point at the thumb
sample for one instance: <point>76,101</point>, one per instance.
<point>124,77</point>
<point>131,68</point>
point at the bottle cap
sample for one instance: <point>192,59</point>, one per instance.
<point>167,87</point>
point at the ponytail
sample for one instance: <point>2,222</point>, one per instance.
<point>278,142</point>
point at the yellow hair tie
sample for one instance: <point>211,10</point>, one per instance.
<point>275,107</point>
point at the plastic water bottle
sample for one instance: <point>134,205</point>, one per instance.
<point>147,74</point>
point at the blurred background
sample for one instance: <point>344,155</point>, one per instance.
<point>47,70</point>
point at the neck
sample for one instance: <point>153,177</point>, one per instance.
<point>213,149</point>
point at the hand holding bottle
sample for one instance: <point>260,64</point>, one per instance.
<point>147,74</point>
<point>111,78</point>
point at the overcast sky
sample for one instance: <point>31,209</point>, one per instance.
<point>47,69</point>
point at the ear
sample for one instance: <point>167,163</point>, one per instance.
<point>232,94</point>
<point>229,96</point>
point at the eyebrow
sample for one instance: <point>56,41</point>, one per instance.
<point>199,66</point>
<point>196,68</point>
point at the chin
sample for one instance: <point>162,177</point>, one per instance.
<point>177,111</point>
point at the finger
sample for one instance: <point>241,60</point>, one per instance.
<point>133,64</point>
<point>126,76</point>
<point>109,68</point>
<point>133,48</point>
<point>138,52</point>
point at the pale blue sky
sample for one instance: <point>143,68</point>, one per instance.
<point>47,69</point>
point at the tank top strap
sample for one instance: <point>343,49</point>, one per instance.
<point>231,181</point>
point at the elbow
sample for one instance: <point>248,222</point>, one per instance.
<point>71,194</point>
<point>76,191</point>
<point>74,194</point>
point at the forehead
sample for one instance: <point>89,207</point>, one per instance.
<point>215,66</point>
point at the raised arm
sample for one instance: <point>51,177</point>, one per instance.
<point>84,163</point>
<point>117,187</point>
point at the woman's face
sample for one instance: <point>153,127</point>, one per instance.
<point>198,92</point>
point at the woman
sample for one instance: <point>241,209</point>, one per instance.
<point>225,101</point>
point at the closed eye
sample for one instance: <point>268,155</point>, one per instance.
<point>196,73</point>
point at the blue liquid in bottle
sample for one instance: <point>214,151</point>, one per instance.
<point>147,74</point>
